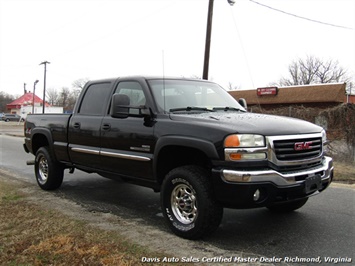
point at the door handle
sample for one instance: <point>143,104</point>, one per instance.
<point>76,125</point>
<point>106,127</point>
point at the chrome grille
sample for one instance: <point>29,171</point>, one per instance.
<point>297,149</point>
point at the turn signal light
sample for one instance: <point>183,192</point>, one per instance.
<point>235,156</point>
<point>232,141</point>
<point>247,156</point>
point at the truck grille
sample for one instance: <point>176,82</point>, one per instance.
<point>297,149</point>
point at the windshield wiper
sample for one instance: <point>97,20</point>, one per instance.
<point>189,108</point>
<point>227,108</point>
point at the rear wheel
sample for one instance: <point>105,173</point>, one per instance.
<point>288,207</point>
<point>188,204</point>
<point>49,173</point>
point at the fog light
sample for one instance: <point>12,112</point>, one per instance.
<point>256,195</point>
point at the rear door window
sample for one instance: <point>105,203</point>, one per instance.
<point>95,99</point>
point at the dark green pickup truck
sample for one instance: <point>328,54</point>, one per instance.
<point>187,139</point>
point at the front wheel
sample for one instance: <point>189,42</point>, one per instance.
<point>288,207</point>
<point>49,173</point>
<point>188,204</point>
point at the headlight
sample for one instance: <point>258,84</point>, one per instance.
<point>244,141</point>
<point>324,142</point>
<point>324,137</point>
<point>241,147</point>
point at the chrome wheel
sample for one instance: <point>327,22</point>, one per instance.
<point>188,204</point>
<point>43,170</point>
<point>49,172</point>
<point>184,204</point>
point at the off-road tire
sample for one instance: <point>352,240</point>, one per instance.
<point>287,207</point>
<point>188,204</point>
<point>49,173</point>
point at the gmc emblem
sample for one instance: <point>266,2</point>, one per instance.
<point>300,146</point>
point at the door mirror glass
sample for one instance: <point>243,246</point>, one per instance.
<point>120,106</point>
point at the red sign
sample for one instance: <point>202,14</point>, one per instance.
<point>267,91</point>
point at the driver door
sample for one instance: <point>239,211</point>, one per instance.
<point>127,144</point>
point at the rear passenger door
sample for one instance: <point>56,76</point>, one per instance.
<point>127,144</point>
<point>85,124</point>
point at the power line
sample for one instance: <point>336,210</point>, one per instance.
<point>243,50</point>
<point>300,17</point>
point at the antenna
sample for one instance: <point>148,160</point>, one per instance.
<point>163,62</point>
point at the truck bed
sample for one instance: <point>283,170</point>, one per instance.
<point>54,126</point>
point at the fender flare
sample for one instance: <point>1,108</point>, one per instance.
<point>46,133</point>
<point>183,141</point>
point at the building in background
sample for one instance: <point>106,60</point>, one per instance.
<point>316,96</point>
<point>30,103</point>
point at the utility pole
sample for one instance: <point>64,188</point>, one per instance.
<point>206,61</point>
<point>208,40</point>
<point>44,84</point>
<point>33,96</point>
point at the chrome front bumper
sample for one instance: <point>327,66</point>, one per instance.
<point>280,179</point>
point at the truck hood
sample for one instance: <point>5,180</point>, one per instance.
<point>238,122</point>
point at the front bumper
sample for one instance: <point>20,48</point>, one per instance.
<point>236,188</point>
<point>277,178</point>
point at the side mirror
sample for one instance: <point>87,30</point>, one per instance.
<point>120,106</point>
<point>243,103</point>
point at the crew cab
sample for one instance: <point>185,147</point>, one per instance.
<point>188,139</point>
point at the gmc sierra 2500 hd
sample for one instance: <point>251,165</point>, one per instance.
<point>187,139</point>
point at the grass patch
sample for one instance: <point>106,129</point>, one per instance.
<point>344,172</point>
<point>31,235</point>
<point>8,194</point>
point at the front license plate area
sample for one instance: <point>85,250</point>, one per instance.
<point>313,183</point>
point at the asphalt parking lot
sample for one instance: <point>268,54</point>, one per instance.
<point>12,128</point>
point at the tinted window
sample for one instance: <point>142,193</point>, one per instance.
<point>95,98</point>
<point>171,94</point>
<point>135,93</point>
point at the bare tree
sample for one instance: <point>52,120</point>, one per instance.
<point>52,96</point>
<point>73,96</point>
<point>330,71</point>
<point>4,100</point>
<point>313,70</point>
<point>63,97</point>
<point>232,87</point>
<point>80,83</point>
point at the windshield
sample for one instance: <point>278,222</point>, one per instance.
<point>189,95</point>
